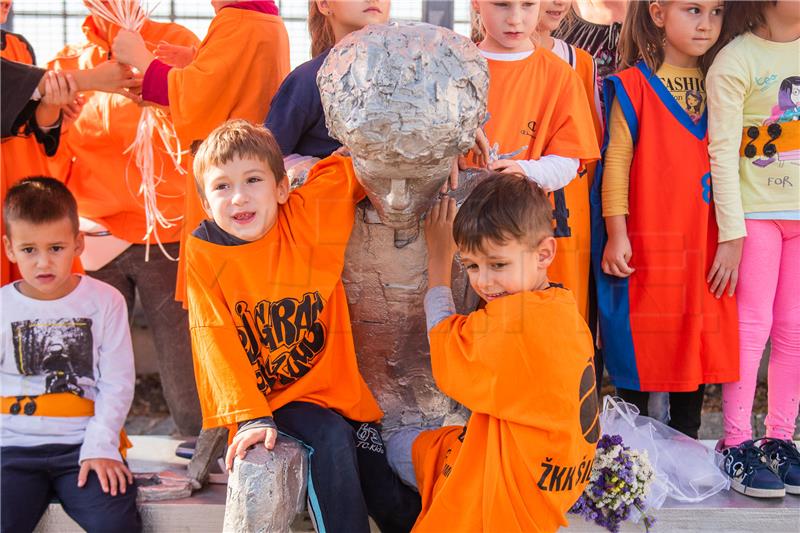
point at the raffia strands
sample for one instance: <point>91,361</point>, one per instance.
<point>131,15</point>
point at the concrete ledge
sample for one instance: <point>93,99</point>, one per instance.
<point>205,510</point>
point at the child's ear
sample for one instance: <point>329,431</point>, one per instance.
<point>283,189</point>
<point>324,7</point>
<point>80,243</point>
<point>9,249</point>
<point>475,6</point>
<point>657,14</point>
<point>546,252</point>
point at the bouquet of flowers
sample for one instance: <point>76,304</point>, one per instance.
<point>617,487</point>
<point>131,15</point>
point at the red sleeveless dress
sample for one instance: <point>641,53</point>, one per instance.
<point>661,329</point>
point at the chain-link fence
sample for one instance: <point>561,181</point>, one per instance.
<point>51,24</point>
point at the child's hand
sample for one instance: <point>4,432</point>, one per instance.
<point>616,256</point>
<point>175,55</point>
<point>60,89</point>
<point>506,165</point>
<point>130,48</point>
<point>113,475</point>
<point>245,439</point>
<point>439,238</point>
<point>111,77</point>
<point>725,268</point>
<point>71,111</point>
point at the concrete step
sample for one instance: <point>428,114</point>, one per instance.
<point>204,511</point>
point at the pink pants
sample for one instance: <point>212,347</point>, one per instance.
<point>768,296</point>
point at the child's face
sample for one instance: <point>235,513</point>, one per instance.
<point>242,197</point>
<point>795,95</point>
<point>44,254</point>
<point>551,13</point>
<point>352,15</point>
<point>504,269</point>
<point>691,27</point>
<point>508,25</point>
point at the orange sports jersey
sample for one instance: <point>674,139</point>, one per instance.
<point>538,106</point>
<point>662,329</point>
<point>572,263</point>
<point>104,180</point>
<point>237,70</point>
<point>523,366</point>
<point>269,319</point>
<point>20,156</point>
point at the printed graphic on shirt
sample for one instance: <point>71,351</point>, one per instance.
<point>778,140</point>
<point>557,478</point>
<point>59,349</point>
<point>689,92</point>
<point>282,339</point>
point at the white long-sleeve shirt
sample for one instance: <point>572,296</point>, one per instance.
<point>81,344</point>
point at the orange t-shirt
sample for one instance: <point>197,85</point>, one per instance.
<point>269,318</point>
<point>523,366</point>
<point>539,105</point>
<point>90,159</point>
<point>237,70</point>
<point>21,156</point>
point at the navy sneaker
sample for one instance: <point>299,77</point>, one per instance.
<point>750,472</point>
<point>784,458</point>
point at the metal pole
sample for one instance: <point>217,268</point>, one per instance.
<point>439,12</point>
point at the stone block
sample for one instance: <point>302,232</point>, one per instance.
<point>267,488</point>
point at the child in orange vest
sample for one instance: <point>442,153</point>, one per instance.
<point>66,373</point>
<point>271,330</point>
<point>522,365</point>
<point>234,73</point>
<point>540,121</point>
<point>661,328</point>
<point>572,265</point>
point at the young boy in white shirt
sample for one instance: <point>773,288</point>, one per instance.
<point>66,373</point>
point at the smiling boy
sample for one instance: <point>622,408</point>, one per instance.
<point>66,373</point>
<point>522,365</point>
<point>271,330</point>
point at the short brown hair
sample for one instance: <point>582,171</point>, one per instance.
<point>503,207</point>
<point>38,200</point>
<point>238,138</point>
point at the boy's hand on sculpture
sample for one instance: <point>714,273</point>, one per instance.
<point>175,55</point>
<point>114,475</point>
<point>507,166</point>
<point>245,439</point>
<point>725,268</point>
<point>439,239</point>
<point>616,256</point>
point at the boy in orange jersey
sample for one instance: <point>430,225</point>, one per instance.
<point>233,74</point>
<point>270,326</point>
<point>106,182</point>
<point>522,365</point>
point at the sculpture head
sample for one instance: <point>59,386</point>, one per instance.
<point>406,100</point>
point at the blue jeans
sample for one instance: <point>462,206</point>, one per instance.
<point>32,476</point>
<point>350,478</point>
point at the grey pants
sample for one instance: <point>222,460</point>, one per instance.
<point>154,280</point>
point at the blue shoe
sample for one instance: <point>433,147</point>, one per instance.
<point>750,472</point>
<point>784,458</point>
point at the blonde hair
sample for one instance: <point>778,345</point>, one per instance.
<point>320,29</point>
<point>238,138</point>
